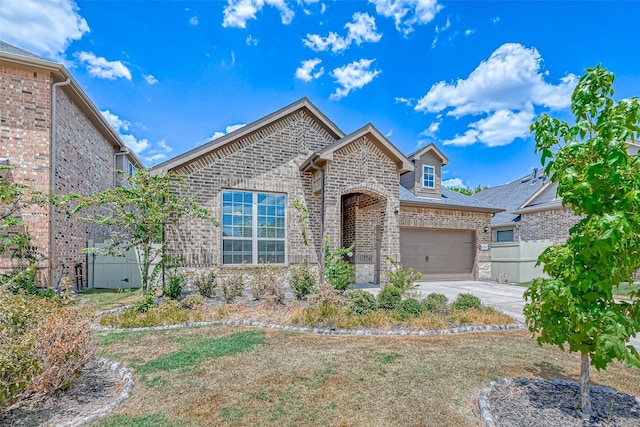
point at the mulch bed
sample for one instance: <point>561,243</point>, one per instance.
<point>551,403</point>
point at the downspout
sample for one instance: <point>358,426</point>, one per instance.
<point>52,178</point>
<point>321,263</point>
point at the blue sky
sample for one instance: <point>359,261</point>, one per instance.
<point>469,76</point>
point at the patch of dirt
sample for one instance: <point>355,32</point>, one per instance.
<point>97,387</point>
<point>544,403</point>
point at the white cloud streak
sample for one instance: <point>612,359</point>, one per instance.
<point>306,70</point>
<point>228,129</point>
<point>100,67</point>
<point>407,13</point>
<point>44,27</point>
<point>505,89</point>
<point>148,152</point>
<point>353,76</point>
<point>361,29</point>
<point>238,12</point>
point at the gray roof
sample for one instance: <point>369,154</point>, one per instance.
<point>9,48</point>
<point>511,196</point>
<point>449,198</point>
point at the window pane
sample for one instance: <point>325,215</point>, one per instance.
<point>428,176</point>
<point>271,251</point>
<point>236,213</point>
<point>504,236</point>
<point>271,215</point>
<point>236,251</point>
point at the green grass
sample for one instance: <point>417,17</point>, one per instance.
<point>156,419</point>
<point>626,289</point>
<point>195,350</point>
<point>105,299</point>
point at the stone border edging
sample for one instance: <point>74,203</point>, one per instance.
<point>319,331</point>
<point>485,407</point>
<point>121,372</point>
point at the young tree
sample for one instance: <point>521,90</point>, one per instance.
<point>136,214</point>
<point>600,181</point>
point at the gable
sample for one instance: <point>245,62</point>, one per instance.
<point>315,120</point>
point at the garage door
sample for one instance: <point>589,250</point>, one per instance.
<point>438,254</point>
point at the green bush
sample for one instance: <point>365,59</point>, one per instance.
<point>143,304</point>
<point>409,308</point>
<point>192,301</point>
<point>302,280</point>
<point>389,298</point>
<point>402,279</point>
<point>205,282</point>
<point>435,303</point>
<point>21,279</point>
<point>361,302</point>
<point>338,272</point>
<point>267,283</point>
<point>173,289</point>
<point>465,302</point>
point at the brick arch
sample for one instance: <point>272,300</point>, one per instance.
<point>368,189</point>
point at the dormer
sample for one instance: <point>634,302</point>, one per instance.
<point>426,179</point>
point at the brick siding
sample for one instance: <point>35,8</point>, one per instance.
<point>553,225</point>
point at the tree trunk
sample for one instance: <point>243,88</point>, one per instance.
<point>585,385</point>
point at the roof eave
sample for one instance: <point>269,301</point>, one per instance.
<point>451,206</point>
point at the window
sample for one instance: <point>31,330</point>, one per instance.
<point>428,176</point>
<point>253,227</point>
<point>504,236</point>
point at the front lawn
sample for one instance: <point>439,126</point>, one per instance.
<point>232,376</point>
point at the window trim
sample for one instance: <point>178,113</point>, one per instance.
<point>255,261</point>
<point>424,174</point>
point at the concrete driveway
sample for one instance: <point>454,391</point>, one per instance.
<point>506,298</point>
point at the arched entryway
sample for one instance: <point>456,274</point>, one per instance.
<point>363,214</point>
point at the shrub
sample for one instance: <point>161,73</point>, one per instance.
<point>267,282</point>
<point>302,280</point>
<point>21,279</point>
<point>143,304</point>
<point>361,302</point>
<point>465,302</point>
<point>44,345</point>
<point>205,282</point>
<point>402,279</point>
<point>232,285</point>
<point>389,298</point>
<point>192,301</point>
<point>173,289</point>
<point>409,308</point>
<point>435,303</point>
<point>168,312</point>
<point>326,295</point>
<point>337,271</point>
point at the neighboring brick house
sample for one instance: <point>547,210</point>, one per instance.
<point>534,219</point>
<point>55,140</point>
<point>350,184</point>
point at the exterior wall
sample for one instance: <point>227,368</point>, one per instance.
<point>552,225</point>
<point>449,219</point>
<point>266,160</point>
<point>515,262</point>
<point>25,129</point>
<point>495,229</point>
<point>84,164</point>
<point>430,160</point>
<point>361,167</point>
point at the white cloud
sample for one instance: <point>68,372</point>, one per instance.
<point>228,129</point>
<point>353,76</point>
<point>150,78</point>
<point>361,29</point>
<point>468,32</point>
<point>323,8</point>
<point>152,153</point>
<point>505,89</point>
<point>305,71</point>
<point>453,182</point>
<point>238,12</point>
<point>44,27</point>
<point>406,101</point>
<point>432,129</point>
<point>102,68</point>
<point>194,20</point>
<point>251,41</point>
<point>408,13</point>
<point>495,20</point>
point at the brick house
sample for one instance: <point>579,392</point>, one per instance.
<point>533,219</point>
<point>55,140</point>
<point>358,188</point>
